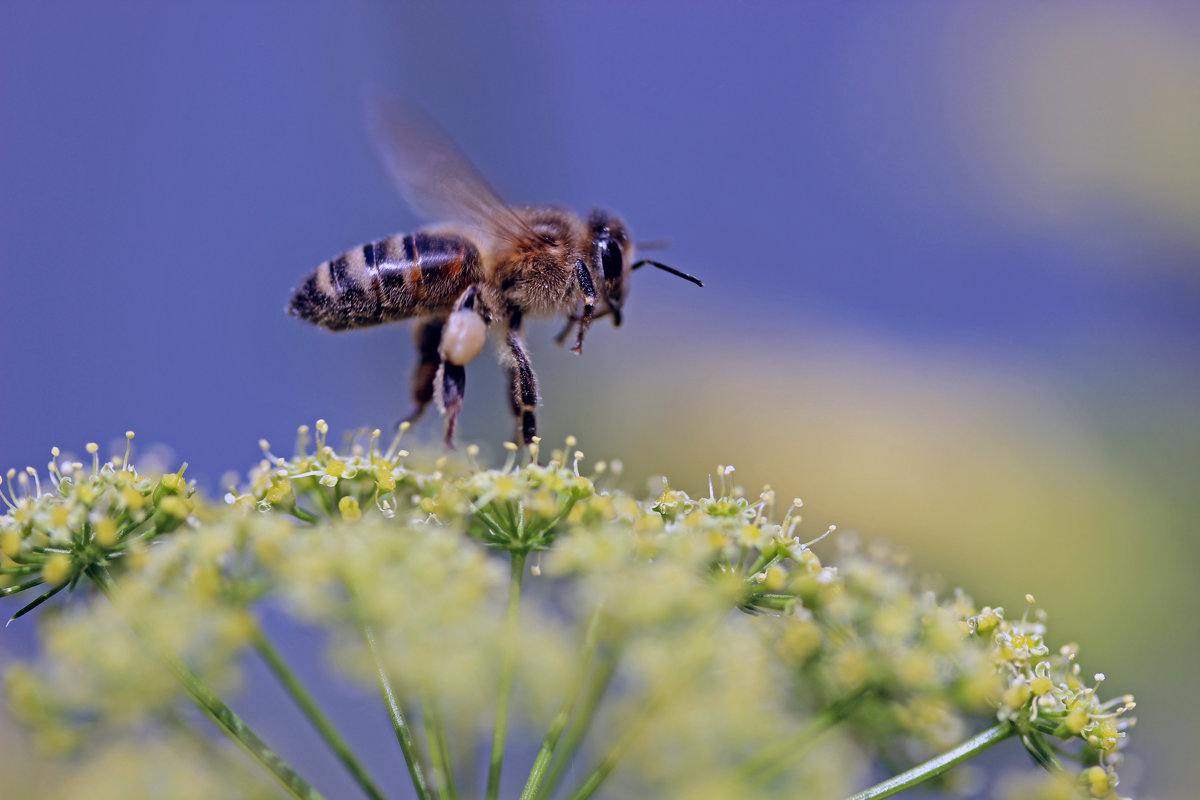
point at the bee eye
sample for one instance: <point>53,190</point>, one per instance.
<point>611,260</point>
<point>548,239</point>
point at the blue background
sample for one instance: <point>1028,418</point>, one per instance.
<point>950,254</point>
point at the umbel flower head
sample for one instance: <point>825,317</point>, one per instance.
<point>671,646</point>
<point>87,518</point>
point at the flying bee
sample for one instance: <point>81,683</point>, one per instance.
<point>487,267</point>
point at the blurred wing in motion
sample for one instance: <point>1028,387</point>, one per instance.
<point>433,175</point>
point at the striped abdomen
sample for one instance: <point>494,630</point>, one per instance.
<point>394,278</point>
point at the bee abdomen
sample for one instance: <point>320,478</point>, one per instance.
<point>391,279</point>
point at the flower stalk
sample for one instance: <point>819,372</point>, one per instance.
<point>598,679</point>
<point>404,735</point>
<point>542,762</point>
<point>221,714</point>
<point>507,665</point>
<point>936,766</point>
<point>308,706</point>
<point>439,751</point>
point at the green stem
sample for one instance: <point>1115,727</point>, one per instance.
<point>936,766</point>
<point>495,529</point>
<point>315,716</point>
<point>601,772</point>
<point>538,773</point>
<point>439,750</point>
<point>507,667</point>
<point>408,745</point>
<point>581,722</point>
<point>1038,748</point>
<point>20,587</point>
<point>20,569</point>
<point>763,562</point>
<point>543,530</point>
<point>221,714</point>
<point>300,514</point>
<point>319,490</point>
<point>769,763</point>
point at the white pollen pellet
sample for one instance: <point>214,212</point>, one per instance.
<point>463,337</point>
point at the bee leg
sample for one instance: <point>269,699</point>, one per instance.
<point>524,395</point>
<point>452,385</point>
<point>428,335</point>
<point>589,302</point>
<point>572,319</point>
<point>462,337</point>
<point>561,336</point>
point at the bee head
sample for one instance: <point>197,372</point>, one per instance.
<point>612,259</point>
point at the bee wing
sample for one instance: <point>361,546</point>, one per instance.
<point>433,175</point>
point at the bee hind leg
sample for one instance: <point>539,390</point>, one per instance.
<point>428,335</point>
<point>452,385</point>
<point>463,336</point>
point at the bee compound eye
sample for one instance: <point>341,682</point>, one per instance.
<point>463,337</point>
<point>611,260</point>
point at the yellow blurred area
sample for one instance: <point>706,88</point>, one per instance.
<point>21,771</point>
<point>1093,108</point>
<point>982,470</point>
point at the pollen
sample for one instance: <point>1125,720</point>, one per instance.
<point>105,531</point>
<point>57,569</point>
<point>463,337</point>
<point>1077,720</point>
<point>348,506</point>
<point>1017,695</point>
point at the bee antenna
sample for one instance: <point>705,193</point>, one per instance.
<point>665,268</point>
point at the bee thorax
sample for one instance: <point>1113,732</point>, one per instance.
<point>463,337</point>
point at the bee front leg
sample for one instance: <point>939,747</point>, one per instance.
<point>561,336</point>
<point>584,278</point>
<point>574,318</point>
<point>524,395</point>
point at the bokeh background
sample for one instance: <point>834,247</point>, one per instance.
<point>951,254</point>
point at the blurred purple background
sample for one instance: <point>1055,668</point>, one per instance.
<point>951,256</point>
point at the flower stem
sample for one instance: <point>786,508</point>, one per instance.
<point>559,723</point>
<point>507,666</point>
<point>404,736</point>
<point>439,750</point>
<point>315,716</point>
<point>936,766</point>
<point>300,514</point>
<point>601,772</point>
<point>769,763</point>
<point>581,722</point>
<point>221,714</point>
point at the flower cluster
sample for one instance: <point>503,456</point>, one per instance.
<point>85,520</point>
<point>328,484</point>
<point>675,646</point>
<point>1045,695</point>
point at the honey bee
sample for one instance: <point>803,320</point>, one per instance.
<point>487,267</point>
